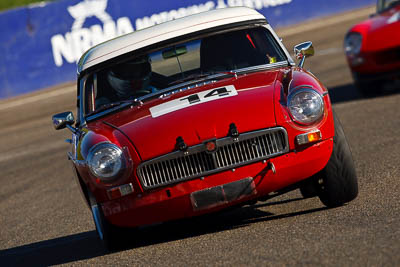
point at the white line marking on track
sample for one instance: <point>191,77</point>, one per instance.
<point>330,51</point>
<point>31,99</point>
<point>33,150</point>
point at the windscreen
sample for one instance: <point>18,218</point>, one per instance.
<point>180,63</point>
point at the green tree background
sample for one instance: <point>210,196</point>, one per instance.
<point>8,4</point>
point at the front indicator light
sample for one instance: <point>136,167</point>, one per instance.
<point>120,191</point>
<point>310,137</point>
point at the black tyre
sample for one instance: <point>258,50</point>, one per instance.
<point>338,180</point>
<point>368,89</point>
<point>111,236</point>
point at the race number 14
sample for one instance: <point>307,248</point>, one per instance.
<point>194,99</point>
<point>213,94</point>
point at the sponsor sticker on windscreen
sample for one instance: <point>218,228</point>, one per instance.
<point>191,100</point>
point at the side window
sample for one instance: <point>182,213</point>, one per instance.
<point>239,49</point>
<point>266,44</point>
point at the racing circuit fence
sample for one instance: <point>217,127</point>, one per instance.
<point>40,44</point>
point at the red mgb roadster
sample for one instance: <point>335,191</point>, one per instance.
<point>199,114</point>
<point>373,49</point>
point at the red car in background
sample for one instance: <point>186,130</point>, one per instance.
<point>200,114</point>
<point>373,48</point>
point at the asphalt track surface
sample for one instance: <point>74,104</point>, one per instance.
<point>43,220</point>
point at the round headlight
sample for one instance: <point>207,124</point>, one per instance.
<point>106,161</point>
<point>352,43</point>
<point>306,106</point>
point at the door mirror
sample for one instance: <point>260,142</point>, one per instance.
<point>62,120</point>
<point>303,50</point>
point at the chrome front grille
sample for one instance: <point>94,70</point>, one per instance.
<point>197,162</point>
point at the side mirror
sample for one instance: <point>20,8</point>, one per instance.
<point>62,120</point>
<point>302,51</point>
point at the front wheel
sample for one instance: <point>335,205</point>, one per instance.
<point>111,236</point>
<point>310,187</point>
<point>338,180</point>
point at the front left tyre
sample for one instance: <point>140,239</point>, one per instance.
<point>338,180</point>
<point>111,236</point>
<point>336,184</point>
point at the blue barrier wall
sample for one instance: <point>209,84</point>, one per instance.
<point>40,44</point>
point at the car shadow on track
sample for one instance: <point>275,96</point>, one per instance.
<point>54,251</point>
<point>85,245</point>
<point>344,93</point>
<point>349,92</point>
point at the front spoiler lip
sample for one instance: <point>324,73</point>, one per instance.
<point>223,194</point>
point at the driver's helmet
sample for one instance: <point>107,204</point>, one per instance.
<point>130,77</point>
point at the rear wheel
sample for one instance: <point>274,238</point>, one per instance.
<point>368,88</point>
<point>338,181</point>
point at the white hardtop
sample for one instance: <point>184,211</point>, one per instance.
<point>164,31</point>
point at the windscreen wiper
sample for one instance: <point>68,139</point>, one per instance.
<point>200,76</point>
<point>189,81</point>
<point>121,103</point>
<point>190,77</point>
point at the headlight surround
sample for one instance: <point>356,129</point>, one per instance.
<point>352,43</point>
<point>106,161</point>
<point>306,106</point>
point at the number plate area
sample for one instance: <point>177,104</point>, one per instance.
<point>223,194</point>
